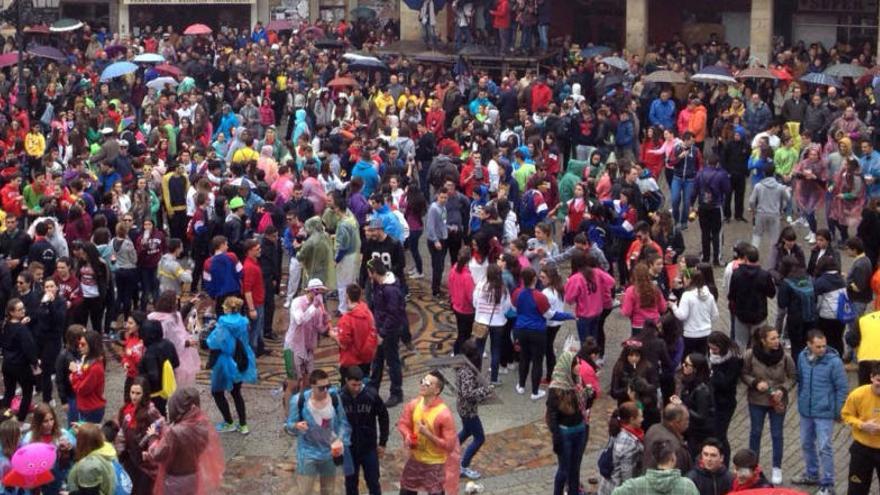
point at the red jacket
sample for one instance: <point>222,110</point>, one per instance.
<point>252,281</point>
<point>435,120</point>
<point>88,385</point>
<point>357,336</point>
<point>469,185</point>
<point>541,96</point>
<point>501,15</point>
<point>12,200</point>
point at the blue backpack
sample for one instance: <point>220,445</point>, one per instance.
<point>605,462</point>
<point>845,311</point>
<point>123,480</point>
<point>806,296</point>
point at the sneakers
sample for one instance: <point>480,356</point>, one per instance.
<point>470,473</point>
<point>811,238</point>
<point>244,430</point>
<point>776,477</point>
<point>541,393</point>
<point>788,219</point>
<point>496,383</point>
<point>225,427</point>
<point>286,303</point>
<point>503,370</point>
<point>519,389</point>
<point>416,276</point>
<point>825,490</point>
<point>393,400</point>
<point>803,479</point>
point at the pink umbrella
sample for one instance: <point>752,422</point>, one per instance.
<point>8,59</point>
<point>169,70</point>
<point>197,29</point>
<point>279,25</point>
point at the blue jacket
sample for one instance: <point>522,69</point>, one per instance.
<point>301,126</point>
<point>624,137</point>
<point>368,173</point>
<point>227,122</point>
<point>225,373</point>
<point>757,118</point>
<point>390,223</point>
<point>662,113</point>
<point>822,385</point>
<point>313,455</point>
<point>222,277</point>
<point>711,186</point>
<point>256,36</point>
<point>871,167</point>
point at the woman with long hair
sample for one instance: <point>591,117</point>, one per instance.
<point>469,394</point>
<point>811,175</point>
<point>697,310</point>
<point>653,141</point>
<point>847,200</point>
<point>726,365</point>
<point>46,428</point>
<point>461,293</point>
<point>87,378</point>
<point>92,469</point>
<point>174,330</point>
<point>511,275</point>
<point>626,439</point>
<point>629,366</point>
<point>20,357</point>
<point>694,390</point>
<point>48,331</point>
<point>134,418</point>
<point>94,278</point>
<point>554,289</point>
<point>567,412</point>
<point>642,300</point>
<point>491,301</point>
<point>414,208</point>
<point>231,330</point>
<point>822,247</point>
<point>587,290</point>
<point>769,374</point>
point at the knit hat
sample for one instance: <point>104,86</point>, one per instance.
<point>236,203</point>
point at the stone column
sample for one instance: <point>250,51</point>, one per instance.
<point>637,26</point>
<point>761,30</point>
<point>314,10</point>
<point>410,30</point>
<point>114,15</point>
<point>124,22</point>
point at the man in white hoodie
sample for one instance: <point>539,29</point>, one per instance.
<point>766,203</point>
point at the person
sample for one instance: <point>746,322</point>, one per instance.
<point>157,350</point>
<point>428,431</point>
<point>461,290</point>
<point>687,161</point>
<point>696,311</point>
<point>567,418</point>
<point>20,357</point>
<point>174,330</point>
<point>172,275</point>
<point>830,287</point>
<point>186,449</point>
<point>308,320</point>
<point>750,287</point>
<point>134,418</point>
<point>587,289</point>
<point>710,475</point>
<point>348,249</point>
<point>797,298</point>
<point>642,300</point>
<point>767,201</point>
<point>822,247</point>
<point>676,418</point>
<point>222,273</point>
<point>389,309</point>
<point>847,195</point>
<point>436,233</point>
<point>811,176</point>
<point>726,364</point>
<point>87,378</point>
<point>317,418</point>
<point>629,367</point>
<point>471,391</point>
<point>92,472</point>
<point>492,303</point>
<point>822,390</point>
<point>253,291</point>
<point>711,188</point>
<point>749,474</point>
<point>48,331</point>
<point>858,281</point>
<point>229,370</point>
<point>661,479</point>
<point>626,439</point>
<point>356,334</point>
<point>364,411</point>
<point>769,373</point>
<point>554,290</point>
<point>694,391</point>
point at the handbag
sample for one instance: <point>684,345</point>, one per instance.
<point>481,330</point>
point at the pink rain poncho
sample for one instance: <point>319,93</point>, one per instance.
<point>810,192</point>
<point>174,330</point>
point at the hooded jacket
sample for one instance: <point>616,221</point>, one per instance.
<point>697,123</point>
<point>822,384</point>
<point>363,410</point>
<point>357,336</point>
<point>157,351</point>
<point>711,482</point>
<point>300,126</point>
<point>769,197</point>
<point>662,113</point>
<point>697,310</point>
<point>750,287</point>
<point>225,373</point>
<point>389,306</point>
<point>659,482</point>
<point>574,174</point>
<point>368,174</point>
<point>711,186</point>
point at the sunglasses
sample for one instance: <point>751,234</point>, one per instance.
<point>323,388</point>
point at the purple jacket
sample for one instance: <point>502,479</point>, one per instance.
<point>360,207</point>
<point>711,186</point>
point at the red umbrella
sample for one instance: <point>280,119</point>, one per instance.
<point>343,82</point>
<point>314,31</point>
<point>38,29</point>
<point>782,74</point>
<point>8,59</point>
<point>279,25</point>
<point>197,29</point>
<point>169,70</point>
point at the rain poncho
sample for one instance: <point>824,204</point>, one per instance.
<point>313,455</point>
<point>316,253</point>
<point>188,452</point>
<point>809,193</point>
<point>174,331</point>
<point>268,164</point>
<point>348,249</point>
<point>307,321</point>
<point>300,126</point>
<point>225,373</point>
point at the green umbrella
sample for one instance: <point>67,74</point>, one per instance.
<point>65,25</point>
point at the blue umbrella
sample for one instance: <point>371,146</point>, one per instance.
<point>417,4</point>
<point>149,58</point>
<point>821,79</point>
<point>592,51</point>
<point>118,69</point>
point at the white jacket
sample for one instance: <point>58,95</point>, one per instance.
<point>697,310</point>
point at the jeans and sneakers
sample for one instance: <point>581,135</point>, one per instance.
<point>817,432</point>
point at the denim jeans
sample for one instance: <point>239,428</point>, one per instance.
<point>471,427</point>
<point>587,327</point>
<point>681,192</point>
<point>369,462</point>
<point>497,334</point>
<point>543,36</point>
<point>462,36</point>
<point>412,242</point>
<point>255,328</point>
<point>388,352</point>
<point>818,432</point>
<point>149,285</point>
<point>96,416</point>
<point>757,414</point>
<point>569,457</point>
<point>526,38</point>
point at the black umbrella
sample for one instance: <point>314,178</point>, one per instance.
<point>329,43</point>
<point>611,80</point>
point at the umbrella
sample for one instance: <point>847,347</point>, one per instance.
<point>364,13</point>
<point>118,69</point>
<point>432,57</point>
<point>616,62</point>
<point>197,29</point>
<point>113,50</point>
<point>149,58</point>
<point>279,25</point>
<point>592,51</point>
<point>782,74</point>
<point>8,59</point>
<point>611,80</point>
<point>359,62</point>
<point>665,76</point>
<point>473,50</point>
<point>169,70</point>
<point>160,82</point>
<point>845,70</point>
<point>49,52</point>
<point>38,29</point>
<point>821,79</point>
<point>65,25</point>
<point>343,82</point>
<point>756,73</point>
<point>329,43</point>
<point>314,31</point>
<point>714,74</point>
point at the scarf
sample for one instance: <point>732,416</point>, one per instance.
<point>563,380</point>
<point>737,486</point>
<point>636,432</point>
<point>715,359</point>
<point>768,358</point>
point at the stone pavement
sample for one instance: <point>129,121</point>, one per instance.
<point>517,457</point>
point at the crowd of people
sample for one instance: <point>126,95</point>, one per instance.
<point>164,219</point>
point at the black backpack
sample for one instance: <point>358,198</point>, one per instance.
<point>240,356</point>
<point>605,463</point>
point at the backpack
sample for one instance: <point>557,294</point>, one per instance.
<point>301,402</point>
<point>605,463</point>
<point>527,207</point>
<point>124,485</point>
<point>845,311</point>
<point>806,296</point>
<point>239,355</point>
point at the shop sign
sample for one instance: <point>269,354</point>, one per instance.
<point>842,6</point>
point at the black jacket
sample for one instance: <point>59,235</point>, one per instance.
<point>49,322</point>
<point>15,245</point>
<point>750,287</point>
<point>363,411</point>
<point>735,157</point>
<point>62,374</point>
<point>711,482</point>
<point>725,378</point>
<point>389,307</point>
<point>157,350</point>
<point>700,402</point>
<point>17,344</point>
<point>814,258</point>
